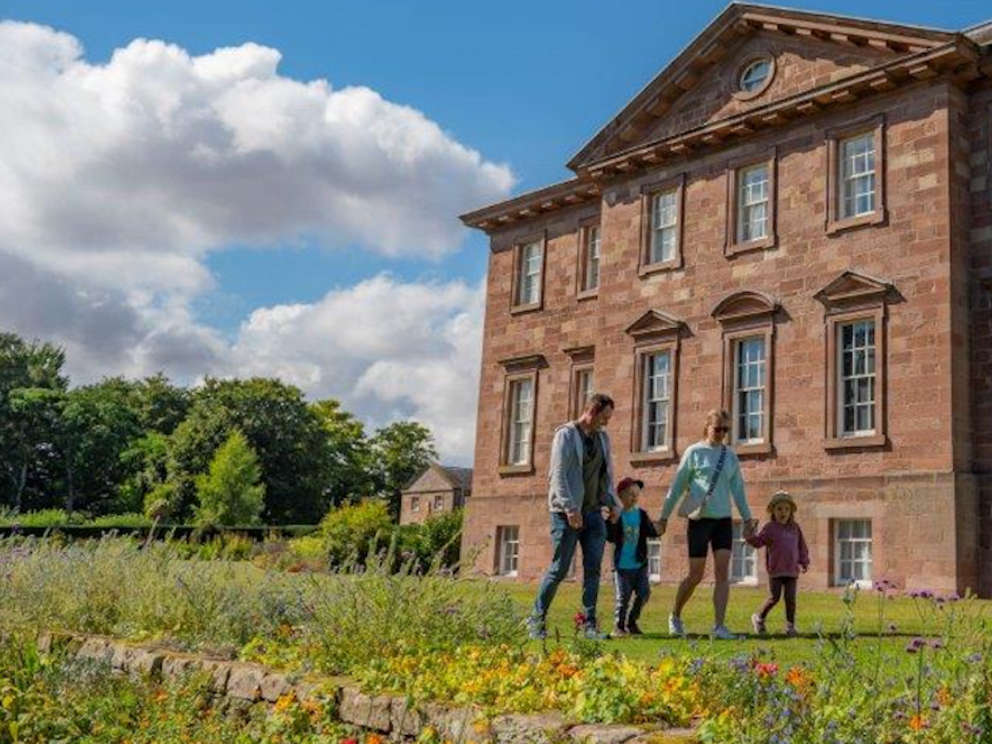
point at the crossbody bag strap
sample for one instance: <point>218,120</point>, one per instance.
<point>716,476</point>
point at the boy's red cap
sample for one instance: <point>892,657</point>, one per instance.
<point>627,483</point>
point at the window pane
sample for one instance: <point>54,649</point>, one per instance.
<point>657,373</point>
<point>592,248</point>
<point>857,175</point>
<point>752,203</point>
<point>530,274</point>
<point>664,224</point>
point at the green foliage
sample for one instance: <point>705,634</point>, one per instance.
<point>53,698</point>
<point>40,518</point>
<point>231,493</point>
<point>282,430</point>
<point>347,456</point>
<point>352,533</point>
<point>400,452</point>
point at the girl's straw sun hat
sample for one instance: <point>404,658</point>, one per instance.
<point>782,497</point>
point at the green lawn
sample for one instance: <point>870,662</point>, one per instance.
<point>819,615</point>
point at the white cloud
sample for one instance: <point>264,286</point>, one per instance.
<point>388,349</point>
<point>118,179</point>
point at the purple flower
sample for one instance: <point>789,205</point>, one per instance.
<point>936,644</point>
<point>915,645</point>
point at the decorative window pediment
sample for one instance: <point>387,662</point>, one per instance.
<point>854,288</point>
<point>745,306</point>
<point>524,363</point>
<point>655,323</point>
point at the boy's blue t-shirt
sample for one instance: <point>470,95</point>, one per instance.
<point>631,523</point>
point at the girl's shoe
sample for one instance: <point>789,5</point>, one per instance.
<point>723,633</point>
<point>758,623</point>
<point>675,626</point>
<point>790,630</point>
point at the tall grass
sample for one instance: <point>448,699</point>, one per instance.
<point>333,622</point>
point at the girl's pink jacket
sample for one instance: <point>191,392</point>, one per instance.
<point>786,551</point>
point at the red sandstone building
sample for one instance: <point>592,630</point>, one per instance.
<point>792,221</point>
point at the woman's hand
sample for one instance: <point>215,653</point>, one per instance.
<point>662,526</point>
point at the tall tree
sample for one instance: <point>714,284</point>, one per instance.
<point>29,371</point>
<point>280,427</point>
<point>231,494</point>
<point>347,478</point>
<point>400,452</point>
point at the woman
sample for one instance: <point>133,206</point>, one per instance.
<point>711,474</point>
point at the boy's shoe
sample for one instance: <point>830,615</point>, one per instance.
<point>591,633</point>
<point>723,633</point>
<point>758,623</point>
<point>790,630</point>
<point>537,630</point>
<point>633,629</point>
<point>675,626</point>
<point>619,631</point>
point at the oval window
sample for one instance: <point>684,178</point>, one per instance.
<point>755,75</point>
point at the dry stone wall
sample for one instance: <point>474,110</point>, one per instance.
<point>242,685</point>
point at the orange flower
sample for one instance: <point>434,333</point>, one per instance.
<point>285,702</point>
<point>918,722</point>
<point>374,739</point>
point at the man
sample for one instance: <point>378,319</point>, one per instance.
<point>580,487</point>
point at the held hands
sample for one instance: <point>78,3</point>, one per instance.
<point>750,528</point>
<point>574,520</point>
<point>662,526</point>
<point>614,515</point>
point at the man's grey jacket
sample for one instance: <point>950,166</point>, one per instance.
<point>565,486</point>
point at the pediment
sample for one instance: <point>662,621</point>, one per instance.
<point>698,86</point>
<point>655,323</point>
<point>524,363</point>
<point>746,305</point>
<point>853,286</point>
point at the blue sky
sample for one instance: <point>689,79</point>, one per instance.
<point>525,83</point>
<point>202,212</point>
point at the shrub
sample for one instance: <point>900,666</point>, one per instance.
<point>351,533</point>
<point>231,493</point>
<point>40,518</point>
<point>119,520</point>
<point>161,502</point>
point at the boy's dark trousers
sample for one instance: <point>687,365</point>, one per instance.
<point>776,587</point>
<point>630,582</point>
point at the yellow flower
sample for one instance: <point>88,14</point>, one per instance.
<point>285,702</point>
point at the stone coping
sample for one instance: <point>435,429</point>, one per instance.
<point>244,684</point>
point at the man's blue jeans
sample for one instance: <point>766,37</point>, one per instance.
<point>592,537</point>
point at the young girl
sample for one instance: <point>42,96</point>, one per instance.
<point>786,555</point>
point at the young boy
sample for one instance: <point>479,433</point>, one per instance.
<point>630,534</point>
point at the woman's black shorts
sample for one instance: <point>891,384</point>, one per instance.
<point>706,532</point>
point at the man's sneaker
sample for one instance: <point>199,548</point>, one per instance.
<point>591,633</point>
<point>537,630</point>
<point>790,630</point>
<point>634,629</point>
<point>619,631</point>
<point>758,623</point>
<point>722,633</point>
<point>675,626</point>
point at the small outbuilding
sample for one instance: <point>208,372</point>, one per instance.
<point>440,488</point>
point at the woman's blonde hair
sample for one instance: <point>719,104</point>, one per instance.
<point>716,416</point>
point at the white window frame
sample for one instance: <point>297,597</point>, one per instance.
<point>856,177</point>
<point>870,352</point>
<point>743,559</point>
<point>844,567</point>
<point>748,84</point>
<point>583,387</point>
<point>741,392</point>
<point>529,281</point>
<point>753,204</point>
<point>649,399</point>
<point>508,551</point>
<point>592,237</point>
<point>438,502</point>
<point>654,561</point>
<point>520,427</point>
<point>414,504</point>
<point>664,226</point>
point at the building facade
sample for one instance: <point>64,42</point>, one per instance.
<point>440,488</point>
<point>792,221</point>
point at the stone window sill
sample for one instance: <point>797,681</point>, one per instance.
<point>849,443</point>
